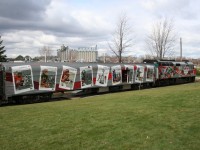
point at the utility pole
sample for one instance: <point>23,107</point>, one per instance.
<point>104,60</point>
<point>45,57</point>
<point>181,49</point>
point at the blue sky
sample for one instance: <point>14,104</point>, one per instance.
<point>26,25</point>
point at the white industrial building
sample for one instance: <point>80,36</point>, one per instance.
<point>82,54</point>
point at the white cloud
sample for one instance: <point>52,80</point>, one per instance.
<point>87,23</point>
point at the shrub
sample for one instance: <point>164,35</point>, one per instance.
<point>198,71</point>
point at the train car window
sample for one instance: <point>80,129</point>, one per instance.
<point>161,64</point>
<point>177,64</point>
<point>124,75</point>
<point>165,64</point>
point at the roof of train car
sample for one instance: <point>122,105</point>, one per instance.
<point>168,62</point>
<point>164,60</point>
<point>75,65</point>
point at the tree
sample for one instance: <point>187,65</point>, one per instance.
<point>161,40</point>
<point>20,58</point>
<point>27,58</point>
<point>46,52</point>
<point>36,58</point>
<point>121,37</point>
<point>3,58</point>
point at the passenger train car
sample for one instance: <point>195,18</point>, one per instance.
<point>34,81</point>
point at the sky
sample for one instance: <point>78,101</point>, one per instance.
<point>28,25</point>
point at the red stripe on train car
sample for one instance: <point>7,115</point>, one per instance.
<point>77,85</point>
<point>36,85</point>
<point>9,77</point>
<point>135,67</point>
<point>110,76</point>
<point>94,81</point>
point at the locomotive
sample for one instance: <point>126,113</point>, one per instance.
<point>35,81</point>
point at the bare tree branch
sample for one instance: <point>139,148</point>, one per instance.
<point>161,40</point>
<point>121,37</point>
<point>45,51</point>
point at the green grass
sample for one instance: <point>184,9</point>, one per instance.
<point>166,118</point>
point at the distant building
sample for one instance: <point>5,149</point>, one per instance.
<point>88,54</point>
<point>82,54</point>
<point>63,53</point>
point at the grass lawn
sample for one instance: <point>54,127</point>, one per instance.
<point>166,118</point>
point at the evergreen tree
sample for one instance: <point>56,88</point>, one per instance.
<point>2,51</point>
<point>20,57</point>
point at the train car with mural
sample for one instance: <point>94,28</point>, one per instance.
<point>173,72</point>
<point>35,81</point>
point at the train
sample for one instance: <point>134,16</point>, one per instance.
<point>37,81</point>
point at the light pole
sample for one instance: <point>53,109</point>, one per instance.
<point>45,55</point>
<point>181,49</point>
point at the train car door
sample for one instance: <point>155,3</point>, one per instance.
<point>127,74</point>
